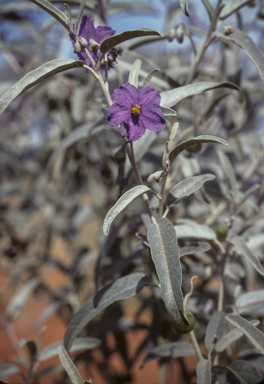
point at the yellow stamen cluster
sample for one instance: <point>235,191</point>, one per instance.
<point>136,110</point>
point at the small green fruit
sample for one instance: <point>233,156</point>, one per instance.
<point>261,13</point>
<point>185,328</point>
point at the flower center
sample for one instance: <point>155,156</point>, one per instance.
<point>136,110</point>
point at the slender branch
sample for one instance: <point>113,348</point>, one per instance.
<point>209,8</point>
<point>196,346</point>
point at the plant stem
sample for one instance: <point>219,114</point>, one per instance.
<point>196,346</point>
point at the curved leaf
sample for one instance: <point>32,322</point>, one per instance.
<point>241,246</point>
<point>122,203</point>
<point>229,173</point>
<point>133,75</point>
<point>232,6</point>
<point>175,349</point>
<point>34,77</point>
<point>8,370</point>
<point>79,344</point>
<point>254,335</point>
<point>203,371</point>
<point>120,289</point>
<point>244,41</point>
<point>112,41</point>
<point>165,254</point>
<point>149,77</point>
<point>216,327</point>
<point>53,11</point>
<point>69,367</point>
<point>187,187</point>
<point>173,134</point>
<point>194,248</point>
<point>250,303</point>
<point>173,96</point>
<point>196,140</point>
<point>245,372</point>
<point>184,7</point>
<point>189,228</point>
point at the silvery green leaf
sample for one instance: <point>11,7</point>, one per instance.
<point>251,49</point>
<point>241,246</point>
<point>229,172</point>
<point>194,248</point>
<point>203,371</point>
<point>168,111</point>
<point>80,344</point>
<point>165,255</point>
<point>34,77</point>
<point>184,7</point>
<point>121,288</point>
<point>8,370</point>
<point>17,302</point>
<point>149,77</point>
<point>173,134</point>
<point>112,41</point>
<point>230,337</point>
<point>189,228</point>
<point>175,349</point>
<point>146,40</point>
<point>245,372</point>
<point>196,140</point>
<point>253,334</point>
<point>133,75</point>
<point>247,194</point>
<point>216,327</point>
<point>121,204</point>
<point>232,6</point>
<point>173,96</point>
<point>53,11</point>
<point>251,303</point>
<point>186,187</point>
<point>68,365</point>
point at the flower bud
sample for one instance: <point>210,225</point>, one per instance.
<point>77,47</point>
<point>120,156</point>
<point>156,176</point>
<point>83,42</point>
<point>177,32</point>
<point>93,45</point>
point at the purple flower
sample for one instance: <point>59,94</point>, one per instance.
<point>94,37</point>
<point>137,110</point>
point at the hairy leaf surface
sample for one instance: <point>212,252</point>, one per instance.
<point>203,371</point>
<point>68,365</point>
<point>53,11</point>
<point>241,246</point>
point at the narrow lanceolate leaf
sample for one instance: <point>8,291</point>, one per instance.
<point>120,289</point>
<point>232,6</point>
<point>245,372</point>
<point>196,140</point>
<point>176,349</point>
<point>253,334</point>
<point>35,76</point>
<point>244,41</point>
<point>165,254</point>
<point>112,41</point>
<point>187,187</point>
<point>173,134</point>
<point>229,173</point>
<point>133,75</point>
<point>191,249</point>
<point>203,371</point>
<point>215,328</point>
<point>8,370</point>
<point>69,367</point>
<point>173,96</point>
<point>53,11</point>
<point>149,77</point>
<point>241,246</point>
<point>168,111</point>
<point>184,7</point>
<point>250,302</point>
<point>122,203</point>
<point>189,228</point>
<point>80,344</point>
<point>230,337</point>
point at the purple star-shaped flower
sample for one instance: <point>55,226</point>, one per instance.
<point>98,35</point>
<point>137,110</point>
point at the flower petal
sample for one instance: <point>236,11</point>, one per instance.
<point>102,33</point>
<point>135,131</point>
<point>148,96</point>
<point>87,29</point>
<point>126,95</point>
<point>152,121</point>
<point>117,115</point>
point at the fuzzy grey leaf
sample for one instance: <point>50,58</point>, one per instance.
<point>184,7</point>
<point>251,303</point>
<point>112,41</point>
<point>187,187</point>
<point>232,6</point>
<point>133,75</point>
<point>245,372</point>
<point>194,248</point>
<point>203,371</point>
<point>165,254</point>
<point>68,365</point>
<point>168,111</point>
<point>216,327</point>
<point>8,370</point>
<point>244,41</point>
<point>175,349</point>
<point>253,334</point>
<point>53,11</point>
<point>120,289</point>
<point>241,246</point>
<point>229,172</point>
<point>173,134</point>
<point>34,77</point>
<point>149,77</point>
<point>173,96</point>
<point>189,228</point>
<point>122,203</point>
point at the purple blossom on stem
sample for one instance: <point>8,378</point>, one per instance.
<point>93,35</point>
<point>137,110</point>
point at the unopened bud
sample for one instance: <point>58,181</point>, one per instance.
<point>77,47</point>
<point>120,156</point>
<point>177,32</point>
<point>228,30</point>
<point>156,176</point>
<point>83,42</point>
<point>93,44</point>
